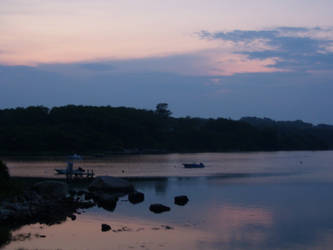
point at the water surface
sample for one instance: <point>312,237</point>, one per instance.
<point>280,200</point>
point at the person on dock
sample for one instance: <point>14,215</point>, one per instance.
<point>69,171</point>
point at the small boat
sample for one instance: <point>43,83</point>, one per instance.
<point>193,165</point>
<point>60,171</point>
<point>75,171</point>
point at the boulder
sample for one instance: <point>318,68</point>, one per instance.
<point>136,197</point>
<point>105,228</point>
<point>5,214</point>
<point>110,184</point>
<point>81,192</point>
<point>51,189</point>
<point>158,208</point>
<point>32,197</point>
<point>181,200</point>
<point>166,227</point>
<point>88,196</point>
<point>72,192</point>
<point>106,201</point>
<point>72,216</point>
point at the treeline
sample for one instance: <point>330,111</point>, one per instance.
<point>295,134</point>
<point>99,130</point>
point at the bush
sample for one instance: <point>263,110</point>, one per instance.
<point>5,235</point>
<point>4,175</point>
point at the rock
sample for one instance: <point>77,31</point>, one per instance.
<point>11,206</point>
<point>181,200</point>
<point>88,196</point>
<point>72,216</point>
<point>158,208</point>
<point>84,204</point>
<point>32,208</point>
<point>81,192</point>
<point>5,213</point>
<point>107,201</point>
<point>72,192</point>
<point>136,197</point>
<point>110,184</point>
<point>105,228</point>
<point>51,189</point>
<point>32,197</point>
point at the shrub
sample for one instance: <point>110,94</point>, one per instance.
<point>4,175</point>
<point>5,235</point>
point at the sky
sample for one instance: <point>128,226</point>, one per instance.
<point>216,58</point>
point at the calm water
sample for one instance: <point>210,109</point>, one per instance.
<point>279,200</point>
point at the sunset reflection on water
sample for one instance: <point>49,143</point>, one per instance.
<point>86,234</point>
<point>270,208</point>
<point>222,227</point>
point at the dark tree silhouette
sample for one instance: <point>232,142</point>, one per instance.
<point>162,110</point>
<point>96,130</point>
<point>3,171</point>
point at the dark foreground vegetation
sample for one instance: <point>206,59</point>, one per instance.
<point>103,130</point>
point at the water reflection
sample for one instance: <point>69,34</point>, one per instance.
<point>171,164</point>
<point>265,208</point>
<point>158,184</point>
<point>240,227</point>
<point>86,234</point>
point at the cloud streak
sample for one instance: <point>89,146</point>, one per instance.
<point>292,48</point>
<point>282,49</point>
<point>212,62</point>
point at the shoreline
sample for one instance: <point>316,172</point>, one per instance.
<point>51,201</point>
<point>93,156</point>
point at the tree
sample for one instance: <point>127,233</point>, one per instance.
<point>162,110</point>
<point>3,171</point>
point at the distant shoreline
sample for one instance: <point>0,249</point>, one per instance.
<point>106,155</point>
<point>101,131</point>
<point>90,156</point>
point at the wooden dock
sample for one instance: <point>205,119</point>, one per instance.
<point>88,174</point>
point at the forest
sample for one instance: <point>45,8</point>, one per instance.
<point>120,130</point>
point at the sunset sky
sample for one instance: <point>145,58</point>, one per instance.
<point>216,58</point>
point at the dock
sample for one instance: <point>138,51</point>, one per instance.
<point>88,174</point>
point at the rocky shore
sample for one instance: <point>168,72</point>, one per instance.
<point>53,202</point>
<point>47,203</point>
<point>50,202</point>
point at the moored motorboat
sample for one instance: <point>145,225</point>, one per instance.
<point>75,171</point>
<point>60,171</point>
<point>193,165</point>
